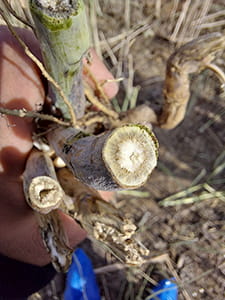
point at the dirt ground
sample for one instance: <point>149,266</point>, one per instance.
<point>187,241</point>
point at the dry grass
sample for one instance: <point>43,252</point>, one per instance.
<point>177,22</point>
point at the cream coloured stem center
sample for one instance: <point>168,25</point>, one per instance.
<point>130,155</point>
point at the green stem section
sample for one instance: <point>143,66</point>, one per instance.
<point>61,27</point>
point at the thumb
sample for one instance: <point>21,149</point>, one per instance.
<point>21,87</point>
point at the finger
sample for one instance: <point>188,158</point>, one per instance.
<point>21,87</point>
<point>20,236</point>
<point>108,195</point>
<point>75,233</point>
<point>101,74</point>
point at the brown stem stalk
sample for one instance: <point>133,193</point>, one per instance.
<point>191,58</point>
<point>121,158</point>
<point>44,194</point>
<point>42,190</point>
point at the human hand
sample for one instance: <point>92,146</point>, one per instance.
<point>21,87</point>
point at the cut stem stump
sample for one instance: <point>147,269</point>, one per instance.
<point>118,159</point>
<point>42,190</point>
<point>44,194</point>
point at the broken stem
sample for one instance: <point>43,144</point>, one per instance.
<point>55,240</point>
<point>102,220</point>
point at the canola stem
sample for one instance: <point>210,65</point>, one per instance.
<point>44,194</point>
<point>118,159</point>
<point>62,30</point>
<point>41,188</point>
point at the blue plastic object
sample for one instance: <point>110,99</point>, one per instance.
<point>169,290</point>
<point>81,282</point>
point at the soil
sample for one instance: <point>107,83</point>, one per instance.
<point>187,239</point>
